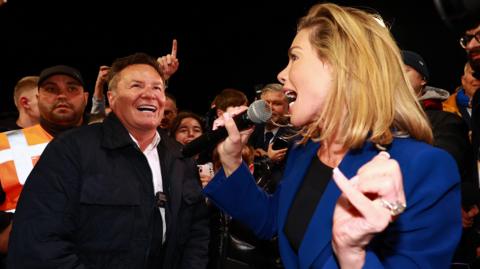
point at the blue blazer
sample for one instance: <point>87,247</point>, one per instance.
<point>424,236</point>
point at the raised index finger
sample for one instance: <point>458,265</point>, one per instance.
<point>363,204</point>
<point>174,48</point>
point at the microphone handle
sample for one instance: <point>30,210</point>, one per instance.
<point>212,138</point>
<point>204,142</point>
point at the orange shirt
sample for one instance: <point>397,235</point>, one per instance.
<point>19,152</point>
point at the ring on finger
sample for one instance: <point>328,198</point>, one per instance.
<point>396,208</point>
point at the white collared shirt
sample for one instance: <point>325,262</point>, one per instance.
<point>153,159</point>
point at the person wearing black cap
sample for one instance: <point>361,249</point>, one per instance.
<point>418,75</point>
<point>451,134</point>
<point>62,98</point>
<point>449,131</point>
<point>61,102</point>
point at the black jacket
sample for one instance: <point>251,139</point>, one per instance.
<point>89,203</point>
<point>451,134</point>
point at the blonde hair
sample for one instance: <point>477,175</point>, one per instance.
<point>24,84</point>
<point>370,96</point>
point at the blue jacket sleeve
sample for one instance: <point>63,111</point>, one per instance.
<point>240,197</point>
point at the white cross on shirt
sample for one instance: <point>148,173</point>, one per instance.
<point>21,154</point>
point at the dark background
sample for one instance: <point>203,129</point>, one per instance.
<point>221,44</point>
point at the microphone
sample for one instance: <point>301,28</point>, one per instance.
<point>257,112</point>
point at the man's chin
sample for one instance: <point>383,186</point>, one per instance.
<point>66,120</point>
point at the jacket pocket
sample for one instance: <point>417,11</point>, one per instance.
<point>191,199</point>
<point>107,214</point>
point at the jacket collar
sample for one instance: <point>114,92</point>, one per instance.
<point>115,135</point>
<point>317,242</point>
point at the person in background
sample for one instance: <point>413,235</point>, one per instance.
<point>460,102</point>
<point>99,109</point>
<point>61,103</point>
<point>470,41</point>
<point>269,154</point>
<point>186,127</point>
<point>25,99</point>
<point>116,194</point>
<point>170,112</point>
<point>418,75</point>
<point>450,133</point>
<point>393,196</point>
<point>168,64</point>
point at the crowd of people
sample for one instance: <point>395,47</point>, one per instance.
<point>356,168</point>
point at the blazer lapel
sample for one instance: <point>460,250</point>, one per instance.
<point>316,244</point>
<point>300,160</point>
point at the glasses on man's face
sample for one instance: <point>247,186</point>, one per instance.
<point>467,38</point>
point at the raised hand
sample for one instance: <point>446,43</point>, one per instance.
<point>230,150</point>
<point>169,63</point>
<point>357,217</point>
<point>276,155</point>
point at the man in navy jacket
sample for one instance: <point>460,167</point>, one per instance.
<point>116,194</point>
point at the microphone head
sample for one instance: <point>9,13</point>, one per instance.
<point>259,112</point>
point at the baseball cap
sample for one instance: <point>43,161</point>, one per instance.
<point>415,61</point>
<point>60,70</point>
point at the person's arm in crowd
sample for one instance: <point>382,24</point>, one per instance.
<point>98,98</point>
<point>276,155</point>
<point>169,63</point>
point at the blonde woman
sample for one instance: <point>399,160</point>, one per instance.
<point>401,207</point>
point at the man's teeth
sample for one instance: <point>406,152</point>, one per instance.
<point>147,108</point>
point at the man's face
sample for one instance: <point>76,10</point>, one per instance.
<point>469,83</point>
<point>169,114</point>
<point>138,98</point>
<point>62,101</point>
<point>473,47</point>
<point>416,80</point>
<point>278,104</point>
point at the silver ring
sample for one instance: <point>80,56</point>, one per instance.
<point>396,208</point>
